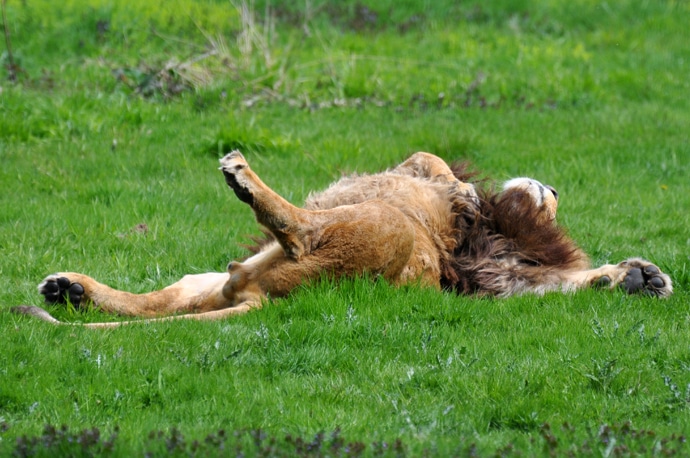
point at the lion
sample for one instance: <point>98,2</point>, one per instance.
<point>422,222</point>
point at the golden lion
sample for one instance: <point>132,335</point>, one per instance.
<point>421,221</point>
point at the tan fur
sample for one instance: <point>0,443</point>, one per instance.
<point>415,223</point>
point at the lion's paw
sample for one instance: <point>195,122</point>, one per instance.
<point>57,289</point>
<point>644,277</point>
<point>233,159</point>
<point>232,166</point>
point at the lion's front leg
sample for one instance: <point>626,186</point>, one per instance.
<point>633,275</point>
<point>429,166</point>
<point>192,294</point>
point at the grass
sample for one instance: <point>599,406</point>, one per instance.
<point>109,143</point>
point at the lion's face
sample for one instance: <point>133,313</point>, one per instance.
<point>545,197</point>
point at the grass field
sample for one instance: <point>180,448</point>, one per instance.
<point>113,116</point>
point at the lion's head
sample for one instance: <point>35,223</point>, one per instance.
<point>545,197</point>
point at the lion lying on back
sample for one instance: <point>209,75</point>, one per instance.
<point>418,222</point>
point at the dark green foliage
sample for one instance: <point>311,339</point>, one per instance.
<point>616,440</point>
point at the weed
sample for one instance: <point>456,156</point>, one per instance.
<point>679,399</point>
<point>60,441</point>
<point>603,373</point>
<point>13,69</point>
<point>167,80</point>
<point>263,334</point>
<point>350,316</point>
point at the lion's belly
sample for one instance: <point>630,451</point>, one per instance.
<point>425,203</point>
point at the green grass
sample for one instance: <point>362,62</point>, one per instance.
<point>589,97</point>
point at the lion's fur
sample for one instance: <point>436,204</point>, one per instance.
<point>495,244</point>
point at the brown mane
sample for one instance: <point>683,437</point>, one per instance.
<point>502,238</point>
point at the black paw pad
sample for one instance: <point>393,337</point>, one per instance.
<point>634,281</point>
<point>75,293</point>
<point>61,290</point>
<point>657,282</point>
<point>241,192</point>
<point>645,279</point>
<point>651,270</point>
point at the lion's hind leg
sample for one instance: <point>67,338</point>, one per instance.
<point>193,293</point>
<point>372,237</point>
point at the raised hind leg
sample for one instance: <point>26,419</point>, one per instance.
<point>372,237</point>
<point>192,294</point>
<point>297,228</point>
